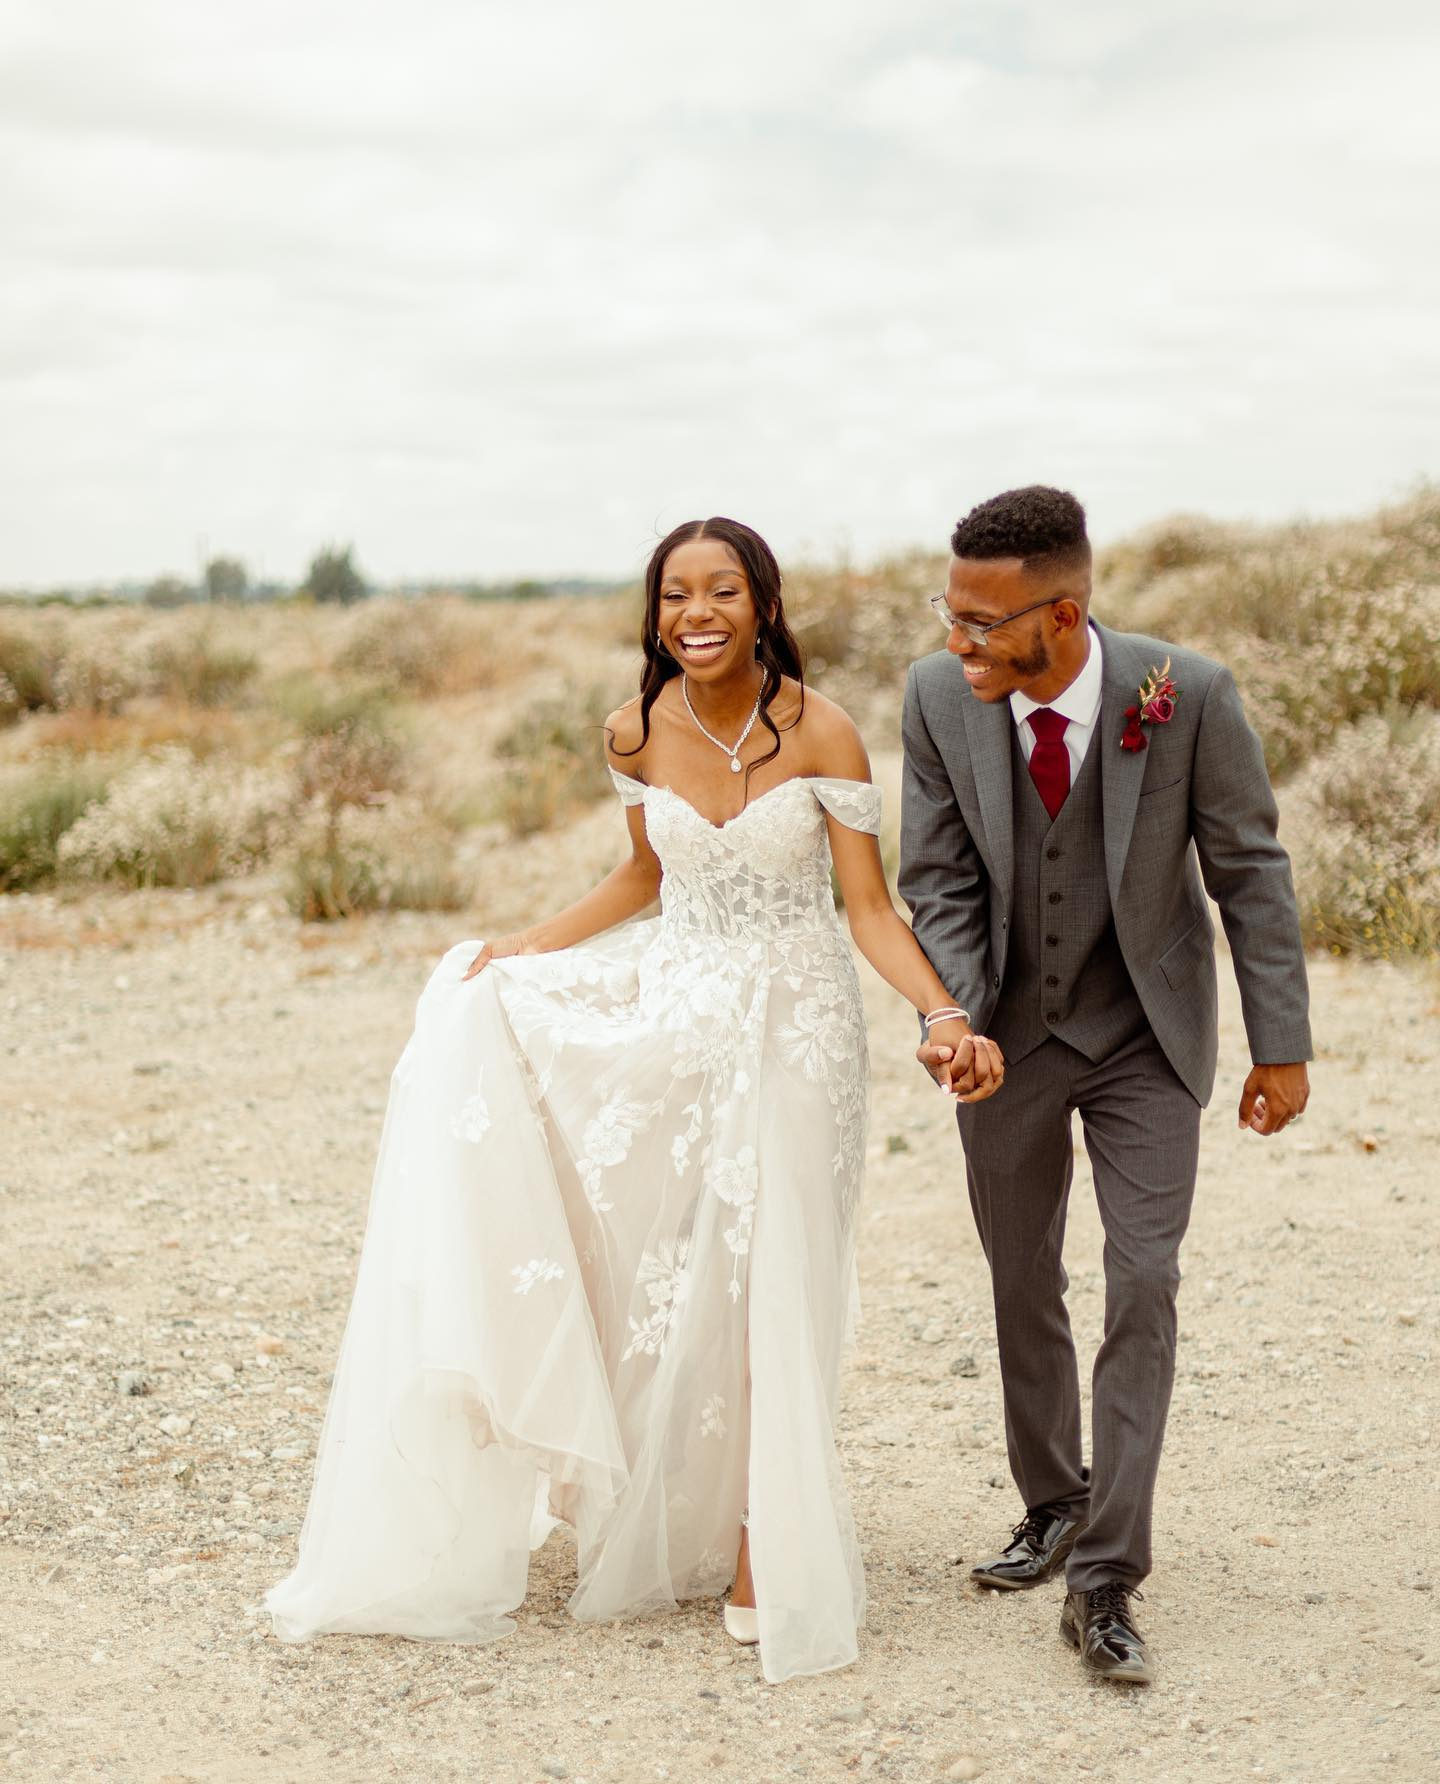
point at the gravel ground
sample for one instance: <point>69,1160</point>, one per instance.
<point>191,1098</point>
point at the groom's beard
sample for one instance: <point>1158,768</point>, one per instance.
<point>1035,664</point>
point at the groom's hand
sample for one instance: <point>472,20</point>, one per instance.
<point>963,1063</point>
<point>1274,1095</point>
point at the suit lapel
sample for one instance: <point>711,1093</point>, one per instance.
<point>987,732</point>
<point>1121,771</point>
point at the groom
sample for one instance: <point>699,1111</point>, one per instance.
<point>1068,791</point>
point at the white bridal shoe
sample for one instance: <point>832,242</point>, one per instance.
<point>742,1623</point>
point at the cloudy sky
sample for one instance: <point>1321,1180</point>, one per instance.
<point>495,288</point>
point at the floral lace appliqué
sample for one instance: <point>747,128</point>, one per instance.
<point>539,1269</point>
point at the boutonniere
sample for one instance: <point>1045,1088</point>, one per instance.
<point>1158,695</point>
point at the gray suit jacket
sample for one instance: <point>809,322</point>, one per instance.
<point>1194,805</point>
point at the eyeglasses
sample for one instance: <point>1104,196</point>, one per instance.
<point>976,633</point>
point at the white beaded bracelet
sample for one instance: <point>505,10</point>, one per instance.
<point>951,1014</point>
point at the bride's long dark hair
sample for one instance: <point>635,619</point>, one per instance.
<point>776,649</point>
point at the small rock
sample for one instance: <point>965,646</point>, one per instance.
<point>966,1366</point>
<point>290,1452</point>
<point>176,1424</point>
<point>1314,1598</point>
<point>1265,1542</point>
<point>183,1472</point>
<point>896,1143</point>
<point>51,1574</point>
<point>131,1381</point>
<point>655,1642</point>
<point>553,1768</point>
<point>1369,1143</point>
<point>269,1347</point>
<point>478,1687</point>
<point>850,1712</point>
<point>933,1334</point>
<point>966,1766</point>
<point>1405,1319</point>
<point>711,1696</point>
<point>998,1480</point>
<point>221,1372</point>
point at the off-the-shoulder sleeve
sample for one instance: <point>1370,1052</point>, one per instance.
<point>632,792</point>
<point>855,803</point>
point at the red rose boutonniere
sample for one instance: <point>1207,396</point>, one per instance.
<point>1158,695</point>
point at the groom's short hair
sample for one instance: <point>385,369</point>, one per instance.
<point>1043,527</point>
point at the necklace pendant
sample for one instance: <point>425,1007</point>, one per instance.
<point>734,766</point>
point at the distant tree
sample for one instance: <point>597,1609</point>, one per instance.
<point>333,577</point>
<point>168,591</point>
<point>226,579</point>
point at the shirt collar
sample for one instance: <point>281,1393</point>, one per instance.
<point>1080,702</point>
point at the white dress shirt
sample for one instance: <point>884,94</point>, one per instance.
<point>1080,703</point>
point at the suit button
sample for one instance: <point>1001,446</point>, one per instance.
<point>1052,854</point>
<point>1052,1015</point>
<point>1052,941</point>
<point>1050,979</point>
<point>997,981</point>
<point>1054,898</point>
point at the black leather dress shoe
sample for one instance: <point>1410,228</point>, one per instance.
<point>1100,1624</point>
<point>1039,1546</point>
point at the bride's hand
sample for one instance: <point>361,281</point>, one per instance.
<point>967,1065</point>
<point>500,949</point>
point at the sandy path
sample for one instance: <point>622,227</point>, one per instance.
<point>191,1097</point>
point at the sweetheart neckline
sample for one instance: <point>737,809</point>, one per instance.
<point>792,780</point>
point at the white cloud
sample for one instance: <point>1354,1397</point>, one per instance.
<point>493,288</point>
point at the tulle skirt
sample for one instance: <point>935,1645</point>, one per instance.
<point>607,1278</point>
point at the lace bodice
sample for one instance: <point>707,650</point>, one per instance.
<point>764,873</point>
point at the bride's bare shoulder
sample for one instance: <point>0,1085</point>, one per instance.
<point>624,736</point>
<point>831,740</point>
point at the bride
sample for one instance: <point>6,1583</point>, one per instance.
<point>608,1268</point>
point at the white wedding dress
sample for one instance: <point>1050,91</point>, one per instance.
<point>608,1270</point>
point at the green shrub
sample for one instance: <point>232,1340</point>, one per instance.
<point>348,859</point>
<point>555,760</point>
<point>36,810</point>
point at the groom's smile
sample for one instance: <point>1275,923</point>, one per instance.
<point>1030,621</point>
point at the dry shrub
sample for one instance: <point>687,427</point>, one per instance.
<point>866,624</point>
<point>37,808</point>
<point>146,727</point>
<point>1322,625</point>
<point>1363,825</point>
<point>192,662</point>
<point>347,859</point>
<point>349,751</point>
<point>32,658</point>
<point>433,645</point>
<point>555,760</point>
<point>173,821</point>
<point>1180,542</point>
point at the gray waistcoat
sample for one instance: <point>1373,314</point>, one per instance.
<point>1064,974</point>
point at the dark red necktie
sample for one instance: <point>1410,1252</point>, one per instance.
<point>1050,760</point>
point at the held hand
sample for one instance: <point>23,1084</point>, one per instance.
<point>966,1065</point>
<point>1274,1096</point>
<point>500,949</point>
